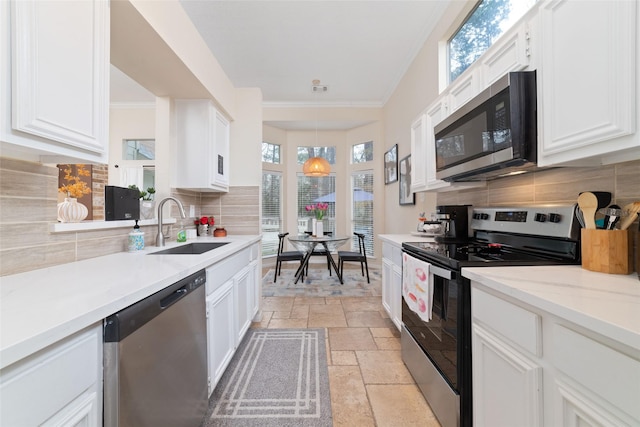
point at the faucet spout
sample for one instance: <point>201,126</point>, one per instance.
<point>160,237</point>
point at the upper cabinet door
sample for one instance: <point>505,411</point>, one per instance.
<point>60,76</point>
<point>418,154</point>
<point>220,170</point>
<point>510,53</point>
<point>202,147</point>
<point>587,79</point>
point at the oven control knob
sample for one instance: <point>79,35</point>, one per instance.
<point>554,217</point>
<point>540,217</point>
<point>476,216</point>
<point>484,216</point>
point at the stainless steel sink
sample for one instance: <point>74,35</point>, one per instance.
<point>190,249</point>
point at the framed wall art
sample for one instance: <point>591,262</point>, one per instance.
<point>391,165</point>
<point>406,196</point>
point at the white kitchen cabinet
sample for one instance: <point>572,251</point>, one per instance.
<point>202,147</point>
<point>221,154</point>
<point>256,271</point>
<point>242,283</point>
<point>587,82</point>
<point>532,368</point>
<point>232,302</point>
<point>418,154</point>
<point>392,282</point>
<point>507,380</point>
<point>54,78</point>
<point>59,386</point>
<point>511,52</point>
<point>221,337</point>
<point>465,87</point>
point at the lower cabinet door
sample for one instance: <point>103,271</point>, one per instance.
<point>60,385</point>
<point>244,303</point>
<point>396,296</point>
<point>507,386</point>
<point>220,331</point>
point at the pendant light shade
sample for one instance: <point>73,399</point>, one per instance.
<point>316,166</point>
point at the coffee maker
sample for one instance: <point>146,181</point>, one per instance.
<point>456,219</point>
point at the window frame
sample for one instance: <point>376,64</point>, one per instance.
<point>445,44</point>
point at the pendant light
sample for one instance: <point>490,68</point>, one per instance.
<point>316,166</point>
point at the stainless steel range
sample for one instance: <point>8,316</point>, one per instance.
<point>437,348</point>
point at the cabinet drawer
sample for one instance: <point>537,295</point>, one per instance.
<point>33,390</point>
<point>607,372</point>
<point>224,270</point>
<point>518,325</point>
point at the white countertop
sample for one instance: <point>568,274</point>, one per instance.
<point>608,304</point>
<point>398,239</point>
<point>40,307</point>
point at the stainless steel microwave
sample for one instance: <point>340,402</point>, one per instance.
<point>493,135</point>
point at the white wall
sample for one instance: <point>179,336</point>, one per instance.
<point>417,89</point>
<point>245,150</point>
<point>127,122</point>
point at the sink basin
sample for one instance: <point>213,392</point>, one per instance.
<point>190,249</point>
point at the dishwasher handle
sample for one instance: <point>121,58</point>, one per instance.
<point>120,325</point>
<point>173,298</point>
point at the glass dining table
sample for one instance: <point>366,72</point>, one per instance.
<point>306,244</point>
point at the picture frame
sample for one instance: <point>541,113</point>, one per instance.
<point>404,168</point>
<point>391,165</point>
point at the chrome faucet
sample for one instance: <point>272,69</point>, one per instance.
<point>160,236</point>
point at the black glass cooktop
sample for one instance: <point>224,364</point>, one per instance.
<point>472,253</point>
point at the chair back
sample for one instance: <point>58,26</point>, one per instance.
<point>361,247</point>
<point>281,237</point>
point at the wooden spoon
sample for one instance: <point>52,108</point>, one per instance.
<point>632,210</point>
<point>588,203</point>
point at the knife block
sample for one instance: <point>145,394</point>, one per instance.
<point>607,251</point>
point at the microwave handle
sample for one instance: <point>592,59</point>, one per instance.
<point>441,272</point>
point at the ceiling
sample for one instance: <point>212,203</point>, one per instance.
<point>359,49</point>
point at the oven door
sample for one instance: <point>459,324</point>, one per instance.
<point>437,352</point>
<point>438,338</point>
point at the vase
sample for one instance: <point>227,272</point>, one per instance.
<point>147,209</point>
<point>319,228</point>
<point>71,211</point>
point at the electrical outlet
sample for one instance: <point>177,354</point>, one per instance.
<point>192,211</point>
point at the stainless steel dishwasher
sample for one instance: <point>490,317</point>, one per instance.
<point>155,359</point>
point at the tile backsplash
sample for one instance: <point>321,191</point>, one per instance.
<point>551,186</point>
<point>29,196</point>
<point>28,205</point>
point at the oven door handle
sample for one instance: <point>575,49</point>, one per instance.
<point>441,272</point>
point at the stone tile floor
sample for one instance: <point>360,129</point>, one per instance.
<point>370,386</point>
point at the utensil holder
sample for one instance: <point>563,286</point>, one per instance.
<point>607,251</point>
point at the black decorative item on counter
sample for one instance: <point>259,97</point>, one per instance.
<point>121,203</point>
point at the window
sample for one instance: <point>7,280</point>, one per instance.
<point>361,153</point>
<point>138,163</point>
<point>139,149</point>
<point>327,153</point>
<point>488,21</point>
<point>271,211</point>
<point>312,190</point>
<point>270,152</point>
<point>362,209</point>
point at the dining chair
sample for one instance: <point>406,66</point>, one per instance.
<point>287,256</point>
<point>319,250</point>
<point>350,256</point>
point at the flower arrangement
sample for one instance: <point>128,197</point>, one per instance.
<point>144,195</point>
<point>205,220</point>
<point>75,186</point>
<point>319,209</point>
